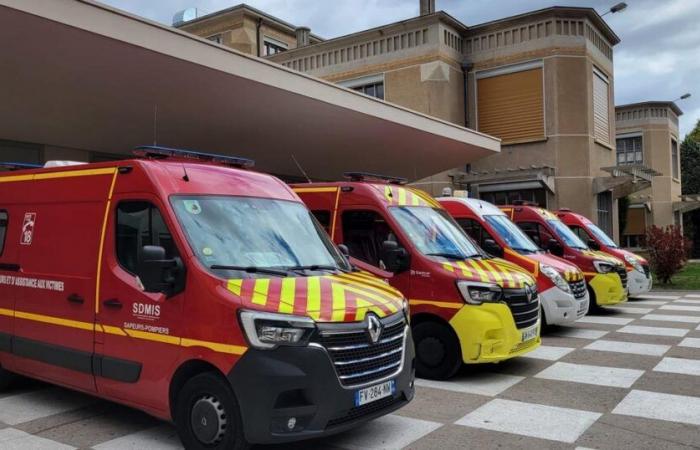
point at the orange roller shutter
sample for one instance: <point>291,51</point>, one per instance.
<point>601,110</point>
<point>636,222</point>
<point>511,106</point>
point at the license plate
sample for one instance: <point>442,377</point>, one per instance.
<point>529,334</point>
<point>374,393</point>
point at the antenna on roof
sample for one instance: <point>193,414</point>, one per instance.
<point>155,124</point>
<point>301,169</point>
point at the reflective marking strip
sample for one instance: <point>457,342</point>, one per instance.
<point>402,196</point>
<point>112,330</point>
<point>450,305</point>
<point>7,312</point>
<point>318,189</point>
<point>493,271</point>
<point>465,269</point>
<point>262,285</point>
<point>375,283</point>
<point>287,295</point>
<point>370,295</point>
<point>235,286</point>
<point>335,213</point>
<point>338,302</point>
<point>100,250</point>
<point>55,320</point>
<point>313,297</point>
<point>510,279</point>
<point>448,267</point>
<point>388,194</point>
<point>484,276</point>
<point>65,174</point>
<point>415,199</point>
<point>164,338</point>
<point>220,348</point>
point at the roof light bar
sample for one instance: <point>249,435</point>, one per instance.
<point>364,176</point>
<point>19,166</point>
<point>156,152</point>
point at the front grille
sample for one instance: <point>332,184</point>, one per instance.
<point>356,359</point>
<point>623,276</point>
<point>578,288</point>
<point>525,312</point>
<point>364,410</point>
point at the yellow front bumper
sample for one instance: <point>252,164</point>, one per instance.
<point>608,289</point>
<point>487,333</point>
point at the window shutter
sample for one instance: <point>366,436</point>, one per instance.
<point>510,106</point>
<point>601,110</point>
<point>636,222</point>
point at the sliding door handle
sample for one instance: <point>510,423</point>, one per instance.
<point>112,303</point>
<point>75,298</point>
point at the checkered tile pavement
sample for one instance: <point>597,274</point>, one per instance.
<point>628,377</point>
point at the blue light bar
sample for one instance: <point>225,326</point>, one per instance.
<point>364,176</point>
<point>19,166</point>
<point>156,152</point>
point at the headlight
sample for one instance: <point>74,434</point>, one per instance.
<point>478,293</point>
<point>552,273</point>
<point>267,330</point>
<point>603,266</point>
<point>634,262</point>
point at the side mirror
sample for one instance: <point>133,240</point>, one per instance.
<point>396,259</point>
<point>593,244</point>
<point>492,248</point>
<point>344,250</point>
<point>555,248</point>
<point>158,274</point>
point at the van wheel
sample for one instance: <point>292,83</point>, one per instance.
<point>438,353</point>
<point>6,378</point>
<point>593,306</point>
<point>207,414</point>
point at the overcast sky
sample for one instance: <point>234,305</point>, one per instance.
<point>658,58</point>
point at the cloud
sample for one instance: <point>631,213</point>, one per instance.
<point>658,58</point>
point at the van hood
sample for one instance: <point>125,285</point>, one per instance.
<point>495,270</point>
<point>596,254</point>
<point>345,297</point>
<point>569,272</point>
<point>621,253</point>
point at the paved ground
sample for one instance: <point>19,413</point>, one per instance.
<point>629,378</point>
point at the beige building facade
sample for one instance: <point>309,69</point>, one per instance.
<point>542,82</point>
<point>647,134</point>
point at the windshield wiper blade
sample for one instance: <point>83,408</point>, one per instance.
<point>316,267</point>
<point>251,269</point>
<point>449,255</point>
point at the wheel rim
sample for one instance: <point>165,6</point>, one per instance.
<point>208,420</point>
<point>431,351</point>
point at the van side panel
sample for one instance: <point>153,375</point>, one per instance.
<point>9,267</point>
<point>54,295</point>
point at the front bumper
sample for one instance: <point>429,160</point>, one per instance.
<point>487,333</point>
<point>608,289</point>
<point>638,283</point>
<point>275,385</point>
<point>561,307</point>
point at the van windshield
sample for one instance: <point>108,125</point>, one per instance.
<point>566,235</point>
<point>434,232</point>
<point>512,234</point>
<point>600,234</point>
<point>255,236</point>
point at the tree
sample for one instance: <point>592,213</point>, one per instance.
<point>690,173</point>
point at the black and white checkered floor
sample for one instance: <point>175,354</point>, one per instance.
<point>625,378</point>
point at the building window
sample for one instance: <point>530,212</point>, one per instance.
<point>635,227</point>
<point>218,38</point>
<point>674,159</point>
<point>536,196</point>
<point>272,47</point>
<point>510,105</point>
<point>629,150</point>
<point>605,204</point>
<point>373,90</point>
<point>601,107</point>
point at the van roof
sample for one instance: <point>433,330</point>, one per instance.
<point>479,207</point>
<point>385,193</point>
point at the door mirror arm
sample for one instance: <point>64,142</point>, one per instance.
<point>159,274</point>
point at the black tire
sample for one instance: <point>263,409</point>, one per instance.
<point>207,414</point>
<point>6,378</point>
<point>438,353</point>
<point>593,306</point>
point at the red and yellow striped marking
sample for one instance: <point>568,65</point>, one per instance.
<point>496,271</point>
<point>405,196</point>
<point>602,256</point>
<point>345,297</point>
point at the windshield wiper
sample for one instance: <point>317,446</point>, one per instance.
<point>316,267</point>
<point>450,255</point>
<point>251,269</point>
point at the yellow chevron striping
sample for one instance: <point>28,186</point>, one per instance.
<point>287,295</point>
<point>262,286</point>
<point>338,302</point>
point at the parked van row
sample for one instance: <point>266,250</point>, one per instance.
<point>249,311</point>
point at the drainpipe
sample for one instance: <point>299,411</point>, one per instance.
<point>466,67</point>
<point>257,35</point>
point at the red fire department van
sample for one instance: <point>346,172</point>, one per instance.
<point>197,292</point>
<point>561,285</point>
<point>606,275</point>
<point>638,273</point>
<point>466,307</point>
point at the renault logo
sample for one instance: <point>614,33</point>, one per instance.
<point>530,292</point>
<point>374,328</point>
